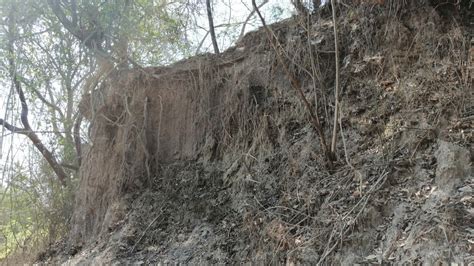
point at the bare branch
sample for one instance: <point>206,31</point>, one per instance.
<point>44,100</point>
<point>11,127</point>
<point>71,26</point>
<point>211,26</point>
<point>51,58</point>
<point>202,42</point>
<point>246,21</point>
<point>302,10</point>
<point>26,130</point>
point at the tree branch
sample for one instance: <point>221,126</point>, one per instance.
<point>242,31</point>
<point>211,26</point>
<point>26,130</point>
<point>11,127</point>
<point>202,42</point>
<point>44,100</point>
<point>77,138</point>
<point>302,10</point>
<point>68,24</point>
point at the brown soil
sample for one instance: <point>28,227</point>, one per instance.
<point>213,159</point>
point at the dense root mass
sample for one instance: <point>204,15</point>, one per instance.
<point>213,160</point>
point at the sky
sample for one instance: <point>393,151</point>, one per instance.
<point>228,11</point>
<point>234,11</point>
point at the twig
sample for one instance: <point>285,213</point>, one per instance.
<point>368,194</point>
<point>158,131</point>
<point>315,72</point>
<point>201,43</point>
<point>146,229</point>
<point>327,253</point>
<point>146,144</point>
<point>242,30</point>
<point>296,86</point>
<point>361,203</point>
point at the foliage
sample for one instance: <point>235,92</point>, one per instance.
<point>32,212</point>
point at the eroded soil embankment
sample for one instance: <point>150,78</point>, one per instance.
<point>213,160</point>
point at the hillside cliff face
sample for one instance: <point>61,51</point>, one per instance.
<point>213,160</point>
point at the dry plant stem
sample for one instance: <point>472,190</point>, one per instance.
<point>328,250</point>
<point>346,155</point>
<point>146,229</point>
<point>158,131</point>
<point>296,86</point>
<point>361,204</point>
<point>313,67</point>
<point>336,87</point>
<point>316,73</point>
<point>144,131</point>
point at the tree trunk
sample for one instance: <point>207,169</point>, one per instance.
<point>211,26</point>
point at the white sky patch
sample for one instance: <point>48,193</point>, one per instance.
<point>228,17</point>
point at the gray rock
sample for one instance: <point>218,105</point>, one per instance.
<point>453,165</point>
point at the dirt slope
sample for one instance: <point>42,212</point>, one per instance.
<point>213,159</point>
